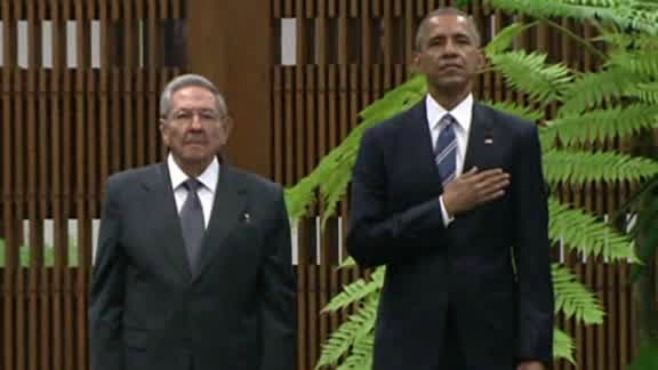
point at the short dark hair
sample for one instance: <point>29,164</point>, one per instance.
<point>445,11</point>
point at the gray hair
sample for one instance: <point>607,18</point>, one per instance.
<point>187,80</point>
<point>420,32</point>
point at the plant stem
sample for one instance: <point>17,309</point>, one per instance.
<point>578,39</point>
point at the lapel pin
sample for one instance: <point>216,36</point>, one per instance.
<point>246,217</point>
<point>488,140</point>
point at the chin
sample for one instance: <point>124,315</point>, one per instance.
<point>452,84</point>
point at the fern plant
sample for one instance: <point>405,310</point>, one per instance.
<point>594,107</point>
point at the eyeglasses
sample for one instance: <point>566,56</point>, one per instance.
<point>186,117</point>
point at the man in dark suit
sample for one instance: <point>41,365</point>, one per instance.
<point>450,196</point>
<point>193,269</point>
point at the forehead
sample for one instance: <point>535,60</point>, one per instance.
<point>448,25</point>
<point>193,96</point>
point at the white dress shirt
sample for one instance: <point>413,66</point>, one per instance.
<point>463,115</point>
<point>206,192</point>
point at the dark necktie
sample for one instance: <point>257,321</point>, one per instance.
<point>191,220</point>
<point>445,150</point>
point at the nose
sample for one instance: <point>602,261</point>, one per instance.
<point>450,47</point>
<point>196,122</point>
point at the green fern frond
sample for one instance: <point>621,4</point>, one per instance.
<point>338,344</point>
<point>504,38</point>
<point>516,110</point>
<point>361,356</point>
<point>592,89</point>
<point>352,335</point>
<point>620,13</point>
<point>563,346</point>
<point>356,291</point>
<point>582,167</point>
<point>529,73</point>
<point>645,92</point>
<point>587,235</point>
<point>626,41</point>
<point>347,263</point>
<point>299,197</point>
<point>641,61</point>
<point>573,299</point>
<point>603,124</point>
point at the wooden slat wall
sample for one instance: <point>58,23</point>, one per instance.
<point>65,128</point>
<point>348,53</point>
<point>66,125</point>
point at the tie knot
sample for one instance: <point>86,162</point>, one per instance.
<point>447,121</point>
<point>192,184</point>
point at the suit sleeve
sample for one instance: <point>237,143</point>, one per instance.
<point>107,291</point>
<point>279,292</point>
<point>532,253</point>
<point>374,236</point>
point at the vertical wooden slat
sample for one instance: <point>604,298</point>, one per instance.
<point>68,99</point>
<point>387,19</point>
<point>9,274</point>
<point>302,46</point>
<point>116,116</point>
<point>104,89</point>
<point>56,179</point>
<point>166,74</point>
<point>302,315</point>
<point>81,98</point>
<point>601,283</point>
<point>277,11</point>
<point>278,125</point>
<point>289,124</point>
<point>409,33</point>
<point>611,301</point>
<point>623,295</point>
<point>19,184</point>
<point>154,63</point>
<point>311,154</point>
<point>129,62</point>
<point>35,238</point>
<point>288,9</point>
<point>590,280</point>
<point>312,308</point>
<point>321,46</point>
<point>45,290</point>
<point>139,98</point>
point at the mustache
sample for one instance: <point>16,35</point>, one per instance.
<point>452,63</point>
<point>196,139</point>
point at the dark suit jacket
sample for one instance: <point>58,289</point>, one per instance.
<point>461,275</point>
<point>149,312</point>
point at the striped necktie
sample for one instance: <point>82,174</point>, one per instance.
<point>445,150</point>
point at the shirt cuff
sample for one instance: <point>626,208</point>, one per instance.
<point>447,220</point>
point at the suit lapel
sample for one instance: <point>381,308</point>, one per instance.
<point>165,216</point>
<point>479,139</point>
<point>420,148</point>
<point>228,206</point>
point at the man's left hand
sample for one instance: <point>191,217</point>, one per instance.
<point>530,365</point>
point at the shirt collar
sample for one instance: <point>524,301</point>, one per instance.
<point>462,113</point>
<point>208,178</point>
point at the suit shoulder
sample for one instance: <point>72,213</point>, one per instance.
<point>511,121</point>
<point>390,127</point>
<point>129,176</point>
<point>256,182</point>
